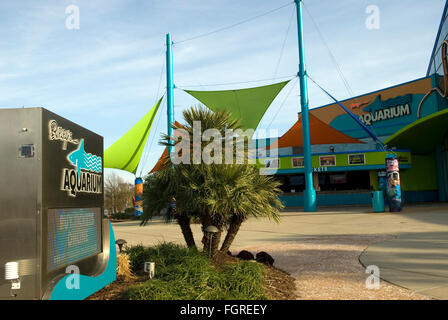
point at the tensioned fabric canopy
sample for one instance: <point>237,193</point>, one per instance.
<point>164,155</point>
<point>320,133</point>
<point>423,135</point>
<point>161,161</point>
<point>126,152</point>
<point>246,105</point>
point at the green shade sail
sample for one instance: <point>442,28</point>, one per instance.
<point>423,135</point>
<point>247,105</point>
<point>126,152</point>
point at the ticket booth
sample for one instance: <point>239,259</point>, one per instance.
<point>54,240</point>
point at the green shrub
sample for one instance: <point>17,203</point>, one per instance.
<point>183,273</point>
<point>245,279</point>
<point>120,216</point>
<point>130,212</point>
<point>163,255</point>
<point>137,257</point>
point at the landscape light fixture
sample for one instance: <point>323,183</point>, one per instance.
<point>150,269</point>
<point>120,243</point>
<point>211,230</point>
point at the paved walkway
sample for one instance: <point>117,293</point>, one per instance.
<point>417,261</point>
<point>416,257</point>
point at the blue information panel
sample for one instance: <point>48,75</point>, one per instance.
<point>73,235</point>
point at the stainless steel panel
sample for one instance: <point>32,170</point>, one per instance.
<point>19,184</point>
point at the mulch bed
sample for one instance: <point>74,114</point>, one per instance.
<point>117,289</point>
<point>279,284</point>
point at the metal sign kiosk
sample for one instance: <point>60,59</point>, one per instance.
<point>54,242</point>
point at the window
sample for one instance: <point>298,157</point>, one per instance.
<point>349,180</point>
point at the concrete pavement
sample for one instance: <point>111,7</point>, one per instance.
<point>417,261</point>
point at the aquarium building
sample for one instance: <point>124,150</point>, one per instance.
<point>410,118</point>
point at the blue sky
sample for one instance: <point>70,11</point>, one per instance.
<point>105,75</point>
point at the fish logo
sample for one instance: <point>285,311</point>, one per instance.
<point>359,105</point>
<point>84,161</point>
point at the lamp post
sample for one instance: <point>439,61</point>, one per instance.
<point>211,230</point>
<point>120,243</point>
<point>309,194</point>
<point>169,89</point>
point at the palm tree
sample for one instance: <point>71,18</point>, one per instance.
<point>222,195</point>
<point>191,192</point>
<point>232,194</point>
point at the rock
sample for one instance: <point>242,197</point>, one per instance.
<point>245,255</point>
<point>265,258</point>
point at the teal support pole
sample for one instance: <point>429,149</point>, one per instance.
<point>310,193</point>
<point>169,88</point>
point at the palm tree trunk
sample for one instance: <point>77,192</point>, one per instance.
<point>184,222</point>
<point>234,226</point>
<point>215,243</point>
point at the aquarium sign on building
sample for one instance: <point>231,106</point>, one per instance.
<point>389,109</point>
